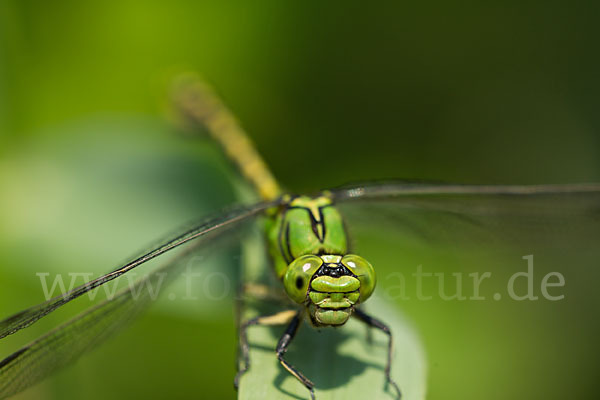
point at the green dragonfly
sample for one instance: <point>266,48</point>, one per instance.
<point>324,282</point>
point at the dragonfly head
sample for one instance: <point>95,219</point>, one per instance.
<point>329,285</point>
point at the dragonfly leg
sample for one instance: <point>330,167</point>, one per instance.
<point>282,346</point>
<point>375,323</point>
<point>255,291</point>
<point>262,292</point>
<point>279,318</point>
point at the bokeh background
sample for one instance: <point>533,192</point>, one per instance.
<point>92,169</point>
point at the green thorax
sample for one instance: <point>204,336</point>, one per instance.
<point>305,225</point>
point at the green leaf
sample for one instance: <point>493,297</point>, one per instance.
<point>342,362</point>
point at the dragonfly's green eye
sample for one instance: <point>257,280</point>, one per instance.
<point>364,272</point>
<point>298,275</point>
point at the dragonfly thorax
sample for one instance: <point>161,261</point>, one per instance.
<point>305,225</point>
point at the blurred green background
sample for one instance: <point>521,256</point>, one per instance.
<point>91,170</point>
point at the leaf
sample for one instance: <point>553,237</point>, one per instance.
<point>342,362</point>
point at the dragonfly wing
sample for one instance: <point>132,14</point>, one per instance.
<point>471,266</point>
<point>65,344</point>
<point>211,227</point>
<point>479,213</point>
<point>406,190</point>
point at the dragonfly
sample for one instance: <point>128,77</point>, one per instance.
<point>325,283</point>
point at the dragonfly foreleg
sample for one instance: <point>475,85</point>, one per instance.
<point>256,291</point>
<point>282,346</point>
<point>375,323</point>
<point>279,318</point>
<point>263,292</point>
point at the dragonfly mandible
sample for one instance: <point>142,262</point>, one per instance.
<point>325,282</point>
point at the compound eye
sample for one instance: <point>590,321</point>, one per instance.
<point>297,277</point>
<point>364,272</point>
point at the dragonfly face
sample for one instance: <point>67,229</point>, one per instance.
<point>329,285</point>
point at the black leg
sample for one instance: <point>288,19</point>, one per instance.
<point>280,318</point>
<point>282,346</point>
<point>370,321</point>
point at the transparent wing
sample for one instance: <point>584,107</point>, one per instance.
<point>501,280</point>
<point>65,344</point>
<point>212,226</point>
<point>413,191</point>
<point>454,213</point>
